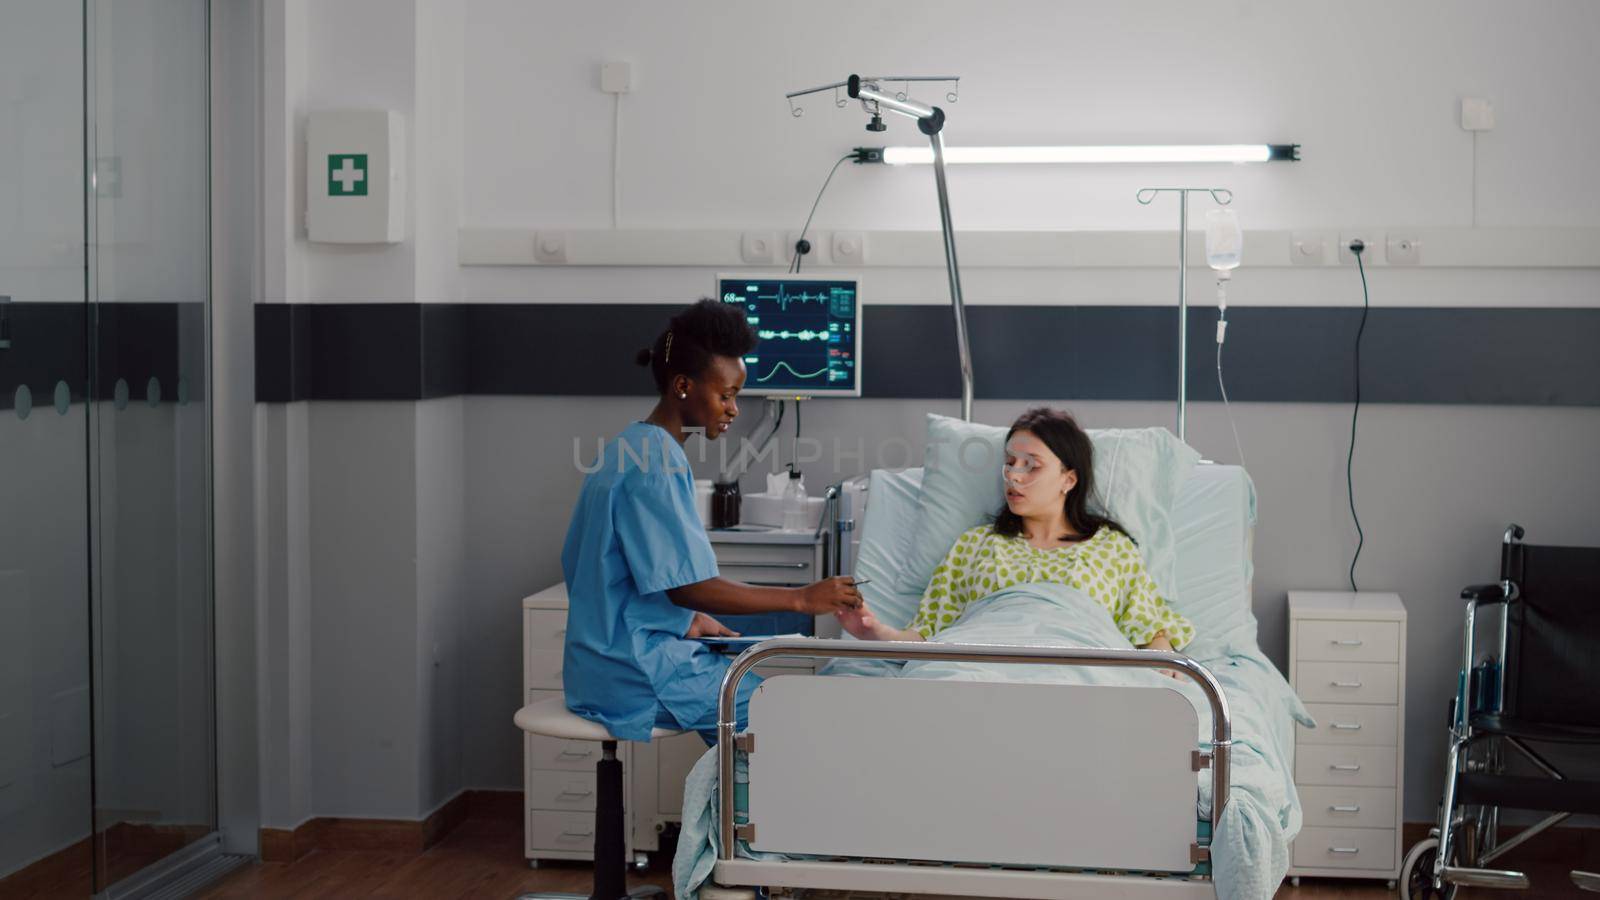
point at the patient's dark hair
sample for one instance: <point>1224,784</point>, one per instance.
<point>1071,444</point>
<point>706,329</point>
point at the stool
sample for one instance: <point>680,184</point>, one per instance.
<point>553,719</point>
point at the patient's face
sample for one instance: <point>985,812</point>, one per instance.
<point>1036,482</point>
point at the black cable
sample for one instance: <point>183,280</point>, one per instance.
<point>777,424</point>
<point>795,266</point>
<point>796,463</point>
<point>1349,463</point>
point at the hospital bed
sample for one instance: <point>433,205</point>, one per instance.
<point>1017,786</point>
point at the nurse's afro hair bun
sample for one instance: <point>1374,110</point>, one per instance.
<point>706,329</point>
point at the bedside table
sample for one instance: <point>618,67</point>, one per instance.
<point>1347,661</point>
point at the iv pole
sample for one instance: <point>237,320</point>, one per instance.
<point>1146,196</point>
<point>930,121</point>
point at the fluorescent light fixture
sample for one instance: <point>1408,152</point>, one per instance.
<point>1192,153</point>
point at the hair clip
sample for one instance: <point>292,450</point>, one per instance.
<point>668,354</point>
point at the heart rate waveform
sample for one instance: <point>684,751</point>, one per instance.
<point>783,298</point>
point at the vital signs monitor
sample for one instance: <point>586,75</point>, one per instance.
<point>810,333</point>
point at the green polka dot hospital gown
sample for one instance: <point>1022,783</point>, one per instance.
<point>1107,567</point>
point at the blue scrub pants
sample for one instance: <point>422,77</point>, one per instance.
<point>705,724</point>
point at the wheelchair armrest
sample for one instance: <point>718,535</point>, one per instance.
<point>1484,594</point>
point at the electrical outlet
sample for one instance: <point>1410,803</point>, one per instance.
<point>1477,114</point>
<point>1404,249</point>
<point>1369,255</point>
<point>550,248</point>
<point>849,248</point>
<point>616,77</point>
<point>1308,248</point>
<point>759,248</point>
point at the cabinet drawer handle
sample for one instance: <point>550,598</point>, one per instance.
<point>1348,642</point>
<point>1344,809</point>
<point>762,565</point>
<point>576,754</point>
<point>1345,684</point>
<point>1350,850</point>
<point>577,834</point>
<point>575,794</point>
<point>1346,767</point>
<point>1345,726</point>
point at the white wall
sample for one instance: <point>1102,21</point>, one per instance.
<point>358,505</point>
<point>1368,88</point>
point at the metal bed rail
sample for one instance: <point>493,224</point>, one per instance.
<point>809,648</point>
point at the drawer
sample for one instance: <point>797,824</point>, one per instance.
<point>1345,766</point>
<point>1347,682</point>
<point>1337,723</point>
<point>572,832</point>
<point>1348,641</point>
<point>572,792</point>
<point>1345,848</point>
<point>767,563</point>
<point>544,629</point>
<point>555,754</point>
<point>1348,807</point>
<point>541,669</point>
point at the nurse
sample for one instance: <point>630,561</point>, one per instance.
<point>641,577</point>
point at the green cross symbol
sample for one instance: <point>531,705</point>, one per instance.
<point>347,174</point>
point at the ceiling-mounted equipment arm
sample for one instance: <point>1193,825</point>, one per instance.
<point>930,120</point>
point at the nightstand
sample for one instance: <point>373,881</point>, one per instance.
<point>1347,661</point>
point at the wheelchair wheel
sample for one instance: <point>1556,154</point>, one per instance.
<point>1416,875</point>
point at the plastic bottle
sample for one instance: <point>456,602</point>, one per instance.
<point>794,503</point>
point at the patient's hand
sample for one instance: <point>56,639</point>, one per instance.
<point>1164,643</point>
<point>860,622</point>
<point>705,626</point>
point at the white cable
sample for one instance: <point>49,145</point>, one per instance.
<point>616,162</point>
<point>1474,179</point>
<point>1222,332</point>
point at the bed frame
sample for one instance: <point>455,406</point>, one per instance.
<point>1098,801</point>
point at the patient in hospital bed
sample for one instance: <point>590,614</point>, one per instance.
<point>1045,532</point>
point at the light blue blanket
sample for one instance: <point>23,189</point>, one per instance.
<point>1250,849</point>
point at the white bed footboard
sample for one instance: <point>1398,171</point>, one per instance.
<point>973,771</point>
<point>1064,776</point>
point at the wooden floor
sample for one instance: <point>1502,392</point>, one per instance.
<point>483,858</point>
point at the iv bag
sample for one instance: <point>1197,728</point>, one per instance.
<point>1224,239</point>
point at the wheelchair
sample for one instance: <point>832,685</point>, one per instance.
<point>1534,684</point>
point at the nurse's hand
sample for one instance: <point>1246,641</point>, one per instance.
<point>705,626</point>
<point>830,595</point>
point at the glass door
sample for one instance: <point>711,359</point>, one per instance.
<point>149,457</point>
<point>46,774</point>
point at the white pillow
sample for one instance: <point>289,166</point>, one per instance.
<point>1138,473</point>
<point>891,515</point>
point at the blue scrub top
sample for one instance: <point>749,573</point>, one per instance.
<point>635,535</point>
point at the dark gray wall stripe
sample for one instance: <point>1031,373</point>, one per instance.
<point>134,342</point>
<point>1539,357</point>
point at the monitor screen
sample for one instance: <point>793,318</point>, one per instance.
<point>810,333</point>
